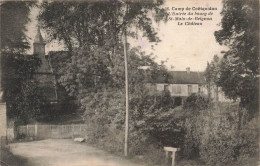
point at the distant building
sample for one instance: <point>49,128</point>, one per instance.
<point>182,84</point>
<point>44,75</point>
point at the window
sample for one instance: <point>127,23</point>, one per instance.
<point>176,89</point>
<point>189,90</point>
<point>160,87</point>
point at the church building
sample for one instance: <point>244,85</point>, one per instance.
<point>45,75</point>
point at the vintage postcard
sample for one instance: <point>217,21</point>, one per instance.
<point>129,83</point>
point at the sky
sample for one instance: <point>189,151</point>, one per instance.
<point>181,46</point>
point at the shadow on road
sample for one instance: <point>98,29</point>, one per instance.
<point>9,159</point>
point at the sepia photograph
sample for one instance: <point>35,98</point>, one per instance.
<point>129,83</point>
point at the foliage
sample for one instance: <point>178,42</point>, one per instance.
<point>222,141</point>
<point>239,66</point>
<point>90,32</point>
<point>21,91</point>
<point>151,121</point>
<point>215,136</point>
<point>99,23</point>
<point>212,73</point>
<point>92,71</point>
<point>192,108</point>
<point>14,17</point>
<point>218,139</point>
<point>196,103</point>
<point>152,116</point>
<point>153,150</point>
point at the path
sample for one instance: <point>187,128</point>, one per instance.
<point>65,152</point>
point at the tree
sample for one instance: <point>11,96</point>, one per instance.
<point>14,17</point>
<point>99,23</point>
<point>239,67</point>
<point>21,92</point>
<point>90,32</point>
<point>212,75</point>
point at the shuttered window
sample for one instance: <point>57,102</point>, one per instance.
<point>176,89</point>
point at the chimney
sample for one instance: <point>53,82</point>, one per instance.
<point>188,70</point>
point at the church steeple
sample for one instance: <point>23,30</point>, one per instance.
<point>38,44</point>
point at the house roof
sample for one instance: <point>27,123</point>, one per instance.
<point>180,77</point>
<point>183,77</point>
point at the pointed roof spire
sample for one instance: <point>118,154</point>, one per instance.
<point>38,38</point>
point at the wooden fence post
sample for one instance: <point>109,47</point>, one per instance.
<point>72,130</point>
<point>35,130</point>
<point>27,130</point>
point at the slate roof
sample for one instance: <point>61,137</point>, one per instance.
<point>180,77</point>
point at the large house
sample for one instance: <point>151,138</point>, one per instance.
<point>182,84</point>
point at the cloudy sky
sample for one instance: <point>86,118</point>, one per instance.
<point>182,46</point>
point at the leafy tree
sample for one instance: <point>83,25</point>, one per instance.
<point>14,17</point>
<point>90,32</point>
<point>99,23</point>
<point>21,92</point>
<point>211,74</point>
<point>239,66</point>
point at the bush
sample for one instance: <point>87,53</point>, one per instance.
<point>192,108</point>
<point>219,136</point>
<point>154,154</point>
<point>153,117</point>
<point>151,121</point>
<point>248,144</point>
<point>196,102</point>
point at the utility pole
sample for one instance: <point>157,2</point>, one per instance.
<point>126,93</point>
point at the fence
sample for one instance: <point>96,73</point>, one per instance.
<point>10,134</point>
<point>47,131</point>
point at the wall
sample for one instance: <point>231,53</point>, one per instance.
<point>175,89</point>
<point>178,89</point>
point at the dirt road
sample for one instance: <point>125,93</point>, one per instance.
<point>65,152</point>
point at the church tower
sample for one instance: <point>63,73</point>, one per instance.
<point>44,75</point>
<point>38,44</point>
<point>39,49</point>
